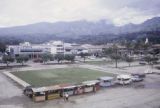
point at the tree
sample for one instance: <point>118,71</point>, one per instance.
<point>7,59</point>
<point>148,59</point>
<point>128,45</point>
<point>151,59</point>
<point>112,52</point>
<point>129,60</point>
<point>69,57</point>
<point>108,51</point>
<point>46,57</point>
<point>154,52</point>
<point>83,55</point>
<point>2,47</point>
<point>59,57</point>
<point>115,57</point>
<point>22,59</point>
<point>155,59</point>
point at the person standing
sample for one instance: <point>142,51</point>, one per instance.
<point>66,96</point>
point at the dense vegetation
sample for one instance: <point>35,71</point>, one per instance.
<point>154,37</point>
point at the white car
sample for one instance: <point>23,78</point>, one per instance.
<point>124,79</point>
<point>148,71</point>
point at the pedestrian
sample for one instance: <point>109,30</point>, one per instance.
<point>67,96</point>
<point>64,96</point>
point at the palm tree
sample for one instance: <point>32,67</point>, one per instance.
<point>113,54</point>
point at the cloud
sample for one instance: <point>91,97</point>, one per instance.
<point>19,12</point>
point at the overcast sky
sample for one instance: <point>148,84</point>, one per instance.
<point>120,12</point>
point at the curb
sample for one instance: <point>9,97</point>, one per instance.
<point>16,79</point>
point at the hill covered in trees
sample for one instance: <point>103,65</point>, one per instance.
<point>81,32</point>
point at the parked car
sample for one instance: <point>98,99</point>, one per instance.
<point>142,62</point>
<point>92,57</point>
<point>124,79</point>
<point>148,71</point>
<point>136,78</point>
<point>141,75</point>
<point>38,60</point>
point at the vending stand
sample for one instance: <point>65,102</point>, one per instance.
<point>43,93</point>
<point>106,81</point>
<point>39,94</point>
<point>91,86</point>
<point>69,89</point>
<point>79,89</point>
<point>53,92</point>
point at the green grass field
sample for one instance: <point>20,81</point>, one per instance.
<point>59,76</point>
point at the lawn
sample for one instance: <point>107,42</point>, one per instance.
<point>59,76</point>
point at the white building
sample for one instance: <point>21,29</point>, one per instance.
<point>36,50</point>
<point>32,50</point>
<point>52,47</point>
<point>74,48</point>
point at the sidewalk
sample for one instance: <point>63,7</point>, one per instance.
<point>16,79</point>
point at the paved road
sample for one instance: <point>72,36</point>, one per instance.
<point>8,91</point>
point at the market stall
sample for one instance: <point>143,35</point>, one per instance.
<point>39,94</point>
<point>53,92</point>
<point>91,86</point>
<point>79,89</point>
<point>68,88</point>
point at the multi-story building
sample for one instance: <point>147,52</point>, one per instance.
<point>58,47</point>
<point>54,47</point>
<point>74,48</point>
<point>32,50</point>
<point>36,50</point>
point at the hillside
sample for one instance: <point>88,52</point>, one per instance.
<point>81,31</point>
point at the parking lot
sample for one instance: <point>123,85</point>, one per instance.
<point>144,94</point>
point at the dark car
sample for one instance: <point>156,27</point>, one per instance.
<point>142,75</point>
<point>138,77</point>
<point>142,63</point>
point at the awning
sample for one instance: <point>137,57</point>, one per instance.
<point>106,78</point>
<point>89,83</point>
<point>39,89</point>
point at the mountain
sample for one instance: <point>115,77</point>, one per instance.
<point>147,26</point>
<point>78,30</point>
<point>74,28</point>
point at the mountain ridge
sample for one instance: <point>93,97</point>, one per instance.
<point>81,27</point>
<point>45,31</point>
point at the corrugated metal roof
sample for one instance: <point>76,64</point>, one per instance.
<point>55,87</point>
<point>39,89</point>
<point>92,82</point>
<point>106,78</point>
